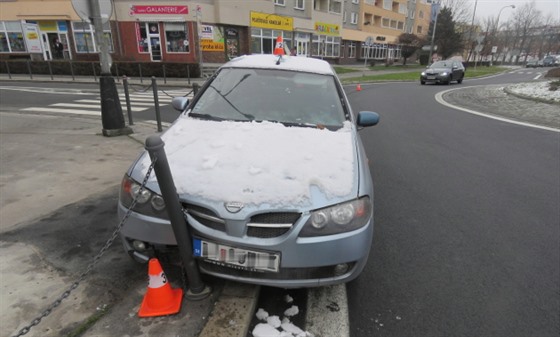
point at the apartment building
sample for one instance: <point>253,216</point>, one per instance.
<point>340,31</point>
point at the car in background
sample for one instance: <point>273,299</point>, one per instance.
<point>550,61</point>
<point>531,64</point>
<point>271,174</point>
<point>443,72</point>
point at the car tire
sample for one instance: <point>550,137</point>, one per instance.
<point>459,81</point>
<point>422,82</point>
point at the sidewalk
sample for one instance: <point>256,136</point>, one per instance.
<point>49,163</point>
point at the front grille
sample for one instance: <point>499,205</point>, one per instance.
<point>283,274</point>
<point>271,225</point>
<point>205,217</point>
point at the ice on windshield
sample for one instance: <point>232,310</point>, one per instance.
<point>272,95</point>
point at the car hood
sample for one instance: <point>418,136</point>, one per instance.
<point>258,163</point>
<point>437,70</point>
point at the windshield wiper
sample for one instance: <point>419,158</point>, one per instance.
<point>206,116</point>
<point>246,115</point>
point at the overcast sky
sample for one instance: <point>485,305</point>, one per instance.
<point>486,8</point>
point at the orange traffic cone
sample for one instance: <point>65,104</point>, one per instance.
<point>358,87</point>
<point>160,299</point>
<point>279,49</point>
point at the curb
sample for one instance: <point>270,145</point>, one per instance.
<point>536,99</point>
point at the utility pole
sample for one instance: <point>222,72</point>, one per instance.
<point>437,4</point>
<point>111,111</point>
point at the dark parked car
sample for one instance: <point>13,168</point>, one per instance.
<point>443,72</point>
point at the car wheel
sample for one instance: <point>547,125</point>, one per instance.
<point>422,82</point>
<point>460,80</point>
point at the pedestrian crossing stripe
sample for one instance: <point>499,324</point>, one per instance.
<point>73,105</point>
<point>148,104</point>
<point>69,111</point>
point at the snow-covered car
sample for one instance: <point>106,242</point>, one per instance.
<point>271,173</point>
<point>443,72</point>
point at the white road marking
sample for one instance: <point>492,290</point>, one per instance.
<point>439,99</point>
<point>148,104</point>
<point>73,105</point>
<point>66,111</point>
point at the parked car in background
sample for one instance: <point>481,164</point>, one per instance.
<point>443,72</point>
<point>531,64</point>
<point>550,61</point>
<point>271,174</point>
<point>540,63</point>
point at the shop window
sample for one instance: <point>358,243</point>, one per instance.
<point>11,37</point>
<point>264,40</point>
<point>325,46</point>
<point>176,37</point>
<point>351,49</point>
<point>83,37</point>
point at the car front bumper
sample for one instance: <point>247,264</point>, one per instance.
<point>435,78</point>
<point>304,262</point>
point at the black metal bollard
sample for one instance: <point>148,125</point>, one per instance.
<point>155,147</point>
<point>94,73</point>
<point>140,72</point>
<point>164,75</point>
<point>8,69</point>
<point>72,70</point>
<point>188,74</point>
<point>50,70</point>
<point>29,69</point>
<point>195,88</point>
<point>127,99</point>
<point>156,103</point>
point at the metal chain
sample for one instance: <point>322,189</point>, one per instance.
<point>139,90</point>
<point>89,268</point>
<point>168,95</point>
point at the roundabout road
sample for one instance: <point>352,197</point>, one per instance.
<point>467,220</point>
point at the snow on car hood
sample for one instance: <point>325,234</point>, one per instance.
<point>258,162</point>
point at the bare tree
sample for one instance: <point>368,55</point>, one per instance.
<point>525,20</point>
<point>460,10</point>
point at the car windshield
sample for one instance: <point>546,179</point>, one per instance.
<point>292,98</point>
<point>441,64</point>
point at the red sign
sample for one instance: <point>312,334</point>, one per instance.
<point>159,10</point>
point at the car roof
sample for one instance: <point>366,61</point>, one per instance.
<point>293,63</point>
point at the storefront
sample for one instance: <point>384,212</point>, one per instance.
<point>265,28</point>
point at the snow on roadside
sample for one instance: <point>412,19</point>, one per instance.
<point>273,323</point>
<point>536,89</point>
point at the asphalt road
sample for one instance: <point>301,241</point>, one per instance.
<point>467,221</point>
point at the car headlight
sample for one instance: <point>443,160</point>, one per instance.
<point>423,73</point>
<point>444,73</point>
<point>147,202</point>
<point>339,218</point>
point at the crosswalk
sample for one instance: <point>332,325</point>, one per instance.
<point>139,101</point>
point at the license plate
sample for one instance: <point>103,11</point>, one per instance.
<point>431,77</point>
<point>236,258</point>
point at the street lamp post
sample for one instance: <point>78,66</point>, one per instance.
<point>437,4</point>
<point>471,31</point>
<point>498,27</point>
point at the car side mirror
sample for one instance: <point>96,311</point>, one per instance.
<point>367,118</point>
<point>180,103</point>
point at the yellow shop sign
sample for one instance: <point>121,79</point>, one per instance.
<point>271,21</point>
<point>211,45</point>
<point>322,28</point>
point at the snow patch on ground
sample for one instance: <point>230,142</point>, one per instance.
<point>536,90</point>
<point>274,327</point>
